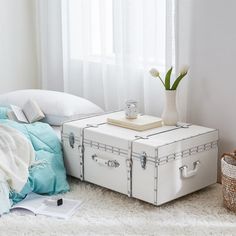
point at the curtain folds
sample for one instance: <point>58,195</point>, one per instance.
<point>102,50</point>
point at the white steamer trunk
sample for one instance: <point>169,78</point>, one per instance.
<point>155,166</point>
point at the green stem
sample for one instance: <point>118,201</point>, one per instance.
<point>161,80</point>
<point>177,81</point>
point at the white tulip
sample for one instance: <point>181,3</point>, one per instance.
<point>184,70</point>
<point>154,72</point>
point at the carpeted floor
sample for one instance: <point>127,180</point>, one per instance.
<point>108,213</point>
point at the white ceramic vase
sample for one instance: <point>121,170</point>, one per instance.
<point>170,113</point>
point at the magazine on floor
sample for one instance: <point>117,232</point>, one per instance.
<point>62,208</point>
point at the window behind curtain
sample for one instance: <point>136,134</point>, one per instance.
<point>108,30</point>
<point>102,50</point>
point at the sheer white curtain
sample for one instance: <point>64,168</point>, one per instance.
<point>102,50</point>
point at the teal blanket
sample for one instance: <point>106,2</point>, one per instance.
<point>47,175</point>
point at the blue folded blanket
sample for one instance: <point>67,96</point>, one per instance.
<point>47,175</point>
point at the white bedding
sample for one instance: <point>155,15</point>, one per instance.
<point>57,130</point>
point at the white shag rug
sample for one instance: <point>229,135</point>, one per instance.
<point>105,212</point>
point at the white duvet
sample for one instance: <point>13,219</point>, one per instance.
<point>16,155</point>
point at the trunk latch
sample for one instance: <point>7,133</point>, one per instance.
<point>143,160</point>
<point>72,139</point>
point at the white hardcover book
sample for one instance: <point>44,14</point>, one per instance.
<point>141,123</point>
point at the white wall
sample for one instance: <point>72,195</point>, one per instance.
<point>208,42</point>
<point>18,61</point>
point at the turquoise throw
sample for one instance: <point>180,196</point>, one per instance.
<point>47,175</point>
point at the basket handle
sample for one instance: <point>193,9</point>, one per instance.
<point>231,154</point>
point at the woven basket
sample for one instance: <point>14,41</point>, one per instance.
<point>228,174</point>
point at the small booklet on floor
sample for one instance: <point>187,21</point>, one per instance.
<point>39,205</point>
<point>30,112</point>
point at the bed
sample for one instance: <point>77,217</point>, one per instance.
<point>57,130</point>
<point>31,158</point>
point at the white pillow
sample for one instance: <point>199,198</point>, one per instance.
<point>57,106</point>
